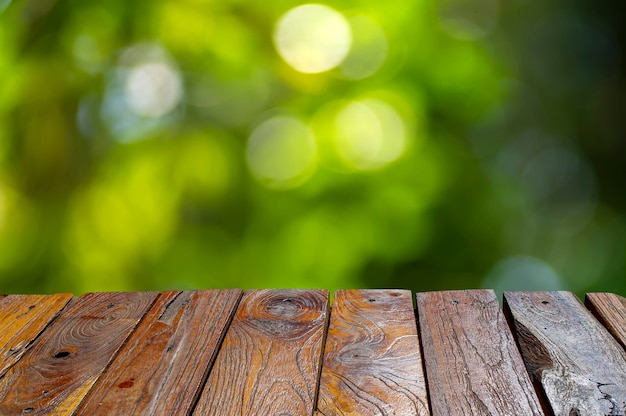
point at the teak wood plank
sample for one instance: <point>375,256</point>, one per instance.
<point>164,363</point>
<point>610,309</point>
<point>580,366</point>
<point>372,362</point>
<point>22,319</point>
<point>64,362</point>
<point>472,364</point>
<point>269,360</point>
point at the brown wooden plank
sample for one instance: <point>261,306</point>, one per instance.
<point>59,369</point>
<point>580,366</point>
<point>163,365</point>
<point>22,318</point>
<point>372,361</point>
<point>269,361</point>
<point>610,309</point>
<point>472,364</point>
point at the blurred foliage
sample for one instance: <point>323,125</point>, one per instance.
<point>149,145</point>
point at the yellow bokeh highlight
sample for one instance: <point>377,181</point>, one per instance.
<point>18,227</point>
<point>185,27</point>
<point>312,38</point>
<point>369,134</point>
<point>282,153</point>
<point>368,50</point>
<point>125,217</point>
<point>202,169</point>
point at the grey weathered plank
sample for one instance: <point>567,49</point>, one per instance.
<point>472,364</point>
<point>580,366</point>
<point>372,361</point>
<point>269,361</point>
<point>610,309</point>
<point>161,368</point>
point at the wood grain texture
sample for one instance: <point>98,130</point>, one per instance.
<point>270,358</point>
<point>610,309</point>
<point>580,366</point>
<point>22,319</point>
<point>163,365</point>
<point>372,361</point>
<point>56,373</point>
<point>472,364</point>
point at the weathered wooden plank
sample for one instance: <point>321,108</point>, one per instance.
<point>56,373</point>
<point>472,364</point>
<point>269,360</point>
<point>580,366</point>
<point>610,309</point>
<point>372,362</point>
<point>22,319</point>
<point>164,363</point>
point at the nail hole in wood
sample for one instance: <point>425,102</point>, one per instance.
<point>545,302</point>
<point>61,354</point>
<point>372,300</point>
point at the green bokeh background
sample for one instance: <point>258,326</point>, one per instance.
<point>512,178</point>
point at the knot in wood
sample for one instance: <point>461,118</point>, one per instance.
<point>61,354</point>
<point>283,314</point>
<point>356,355</point>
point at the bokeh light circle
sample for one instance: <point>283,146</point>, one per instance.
<point>522,273</point>
<point>368,50</point>
<point>281,153</point>
<point>312,38</point>
<point>468,20</point>
<point>369,134</point>
<point>153,89</point>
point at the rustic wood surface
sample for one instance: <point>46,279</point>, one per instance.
<point>610,309</point>
<point>22,319</point>
<point>179,352</point>
<point>580,365</point>
<point>472,364</point>
<point>56,373</point>
<point>163,365</point>
<point>372,363</point>
<point>269,360</point>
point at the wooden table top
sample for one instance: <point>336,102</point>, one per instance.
<point>288,352</point>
